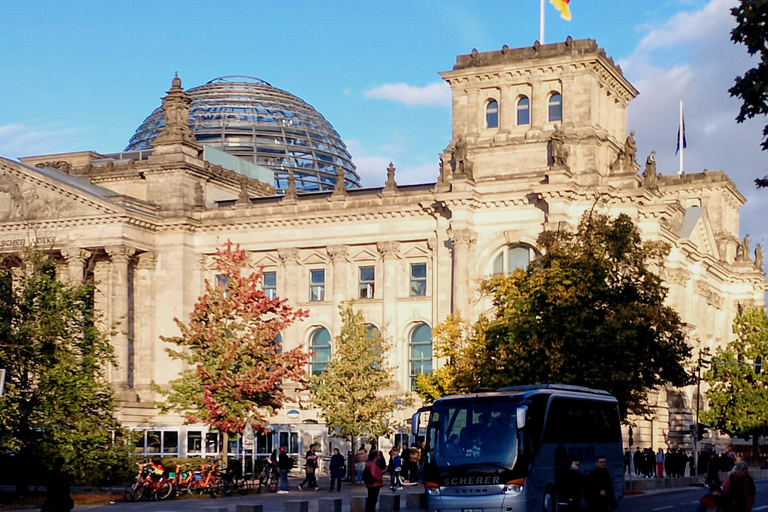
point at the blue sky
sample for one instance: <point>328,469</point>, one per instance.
<point>82,75</point>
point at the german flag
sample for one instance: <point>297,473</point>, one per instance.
<point>562,6</point>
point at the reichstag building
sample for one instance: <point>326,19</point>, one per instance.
<point>539,134</point>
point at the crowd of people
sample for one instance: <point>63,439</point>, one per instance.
<point>648,463</point>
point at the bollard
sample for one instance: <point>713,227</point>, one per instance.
<point>389,503</point>
<point>414,501</point>
<point>357,503</point>
<point>249,508</point>
<point>296,506</point>
<point>328,505</point>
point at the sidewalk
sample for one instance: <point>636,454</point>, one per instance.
<point>650,484</point>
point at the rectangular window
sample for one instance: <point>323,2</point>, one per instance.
<point>171,442</point>
<point>153,441</point>
<point>317,284</point>
<point>269,284</point>
<point>194,442</point>
<point>418,279</point>
<point>221,282</point>
<point>212,442</point>
<point>366,282</point>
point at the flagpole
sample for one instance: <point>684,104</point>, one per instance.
<point>541,23</point>
<point>681,138</point>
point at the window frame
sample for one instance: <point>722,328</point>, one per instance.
<point>412,279</point>
<point>269,291</point>
<point>413,361</point>
<point>559,105</point>
<point>318,287</point>
<point>495,113</point>
<point>518,110</point>
<point>312,361</point>
<point>503,254</point>
<point>366,288</point>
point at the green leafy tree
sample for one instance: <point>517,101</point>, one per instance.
<point>752,88</point>
<point>351,392</point>
<point>590,312</point>
<point>57,399</point>
<point>459,342</point>
<point>236,370</point>
<point>738,383</point>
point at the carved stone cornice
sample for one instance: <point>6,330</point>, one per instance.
<point>288,256</point>
<point>709,294</point>
<point>119,253</point>
<point>389,249</point>
<point>75,255</point>
<point>338,253</point>
<point>677,275</point>
<point>147,261</point>
<point>462,237</point>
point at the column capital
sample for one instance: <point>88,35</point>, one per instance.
<point>147,261</point>
<point>75,254</point>
<point>338,253</point>
<point>462,237</point>
<point>288,256</point>
<point>119,253</point>
<point>389,249</point>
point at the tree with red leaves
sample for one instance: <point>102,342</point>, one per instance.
<point>236,368</point>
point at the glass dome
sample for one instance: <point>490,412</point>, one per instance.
<point>249,118</point>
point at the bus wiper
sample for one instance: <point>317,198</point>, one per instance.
<point>497,465</point>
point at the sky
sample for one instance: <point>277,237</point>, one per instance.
<point>83,75</point>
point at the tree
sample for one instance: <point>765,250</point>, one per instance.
<point>458,341</point>
<point>57,399</point>
<point>236,369</point>
<point>589,312</point>
<point>752,30</point>
<point>351,392</point>
<point>738,383</point>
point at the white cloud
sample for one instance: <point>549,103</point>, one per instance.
<point>436,94</point>
<point>17,140</point>
<point>690,26</point>
<point>373,168</point>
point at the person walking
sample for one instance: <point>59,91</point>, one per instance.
<point>599,488</point>
<point>361,456</point>
<point>570,486</point>
<point>373,480</point>
<point>338,469</point>
<point>284,465</point>
<point>311,465</point>
<point>57,497</point>
<point>739,489</point>
<point>397,465</point>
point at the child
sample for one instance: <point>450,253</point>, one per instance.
<point>397,464</point>
<point>710,501</point>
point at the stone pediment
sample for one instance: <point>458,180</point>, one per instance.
<point>32,194</point>
<point>697,228</point>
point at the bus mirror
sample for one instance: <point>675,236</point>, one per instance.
<point>522,412</point>
<point>415,424</point>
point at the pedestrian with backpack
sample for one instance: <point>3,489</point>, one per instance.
<point>373,480</point>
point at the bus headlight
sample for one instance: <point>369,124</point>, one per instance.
<point>433,489</point>
<point>514,487</point>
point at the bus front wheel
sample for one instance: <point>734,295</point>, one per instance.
<point>549,502</point>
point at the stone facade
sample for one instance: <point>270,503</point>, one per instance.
<point>539,136</point>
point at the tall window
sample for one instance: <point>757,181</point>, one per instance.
<point>421,352</point>
<point>492,114</point>
<point>523,111</point>
<point>320,344</point>
<point>555,107</point>
<point>317,284</point>
<point>418,279</point>
<point>269,284</point>
<point>366,281</point>
<point>512,257</point>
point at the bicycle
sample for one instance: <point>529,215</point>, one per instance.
<point>269,478</point>
<point>182,481</point>
<point>231,481</point>
<point>206,480</point>
<point>152,483</point>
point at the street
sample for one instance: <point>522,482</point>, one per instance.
<point>682,499</point>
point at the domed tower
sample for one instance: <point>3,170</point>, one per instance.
<point>249,118</point>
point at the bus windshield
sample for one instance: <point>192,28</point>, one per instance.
<point>474,433</point>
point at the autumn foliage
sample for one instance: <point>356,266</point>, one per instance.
<point>236,364</point>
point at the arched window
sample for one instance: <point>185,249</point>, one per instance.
<point>372,331</point>
<point>278,342</point>
<point>320,344</point>
<point>512,257</point>
<point>492,114</point>
<point>523,111</point>
<point>555,107</point>
<point>421,352</point>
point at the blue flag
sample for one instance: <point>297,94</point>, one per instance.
<point>685,145</point>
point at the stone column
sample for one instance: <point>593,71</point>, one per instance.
<point>120,256</point>
<point>75,258</point>
<point>144,335</point>
<point>390,255</point>
<point>290,277</point>
<point>538,105</point>
<point>473,113</point>
<point>338,254</point>
<point>506,110</point>
<point>461,239</point>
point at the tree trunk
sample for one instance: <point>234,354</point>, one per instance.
<point>223,453</point>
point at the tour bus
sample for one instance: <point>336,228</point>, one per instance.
<point>501,451</point>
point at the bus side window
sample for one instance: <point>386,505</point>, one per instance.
<point>581,422</point>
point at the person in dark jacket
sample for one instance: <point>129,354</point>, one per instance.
<point>284,465</point>
<point>338,469</point>
<point>57,498</point>
<point>375,482</point>
<point>310,468</point>
<point>570,486</point>
<point>739,489</point>
<point>599,488</point>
